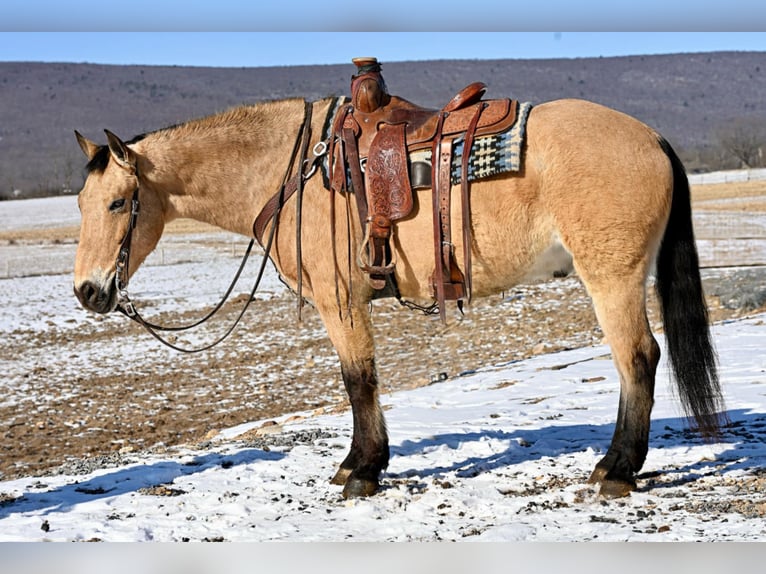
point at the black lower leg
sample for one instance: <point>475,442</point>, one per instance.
<point>626,455</point>
<point>369,452</point>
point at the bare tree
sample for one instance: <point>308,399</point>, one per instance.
<point>744,138</point>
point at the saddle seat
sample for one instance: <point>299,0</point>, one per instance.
<point>422,123</point>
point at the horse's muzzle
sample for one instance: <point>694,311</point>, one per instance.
<point>95,297</point>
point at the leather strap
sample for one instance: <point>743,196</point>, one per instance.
<point>357,178</point>
<point>306,132</point>
<point>465,193</point>
<point>122,264</point>
<point>447,280</point>
<point>285,192</point>
<point>437,278</point>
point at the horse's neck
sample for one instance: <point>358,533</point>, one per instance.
<point>223,170</point>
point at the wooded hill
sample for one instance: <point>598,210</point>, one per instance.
<point>689,98</point>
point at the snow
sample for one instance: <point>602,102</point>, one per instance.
<point>40,213</point>
<point>502,454</point>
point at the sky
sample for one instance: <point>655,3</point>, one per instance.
<point>254,49</point>
<point>338,15</point>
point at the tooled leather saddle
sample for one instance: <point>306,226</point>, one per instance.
<point>373,137</point>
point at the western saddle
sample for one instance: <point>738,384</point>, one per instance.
<point>371,142</point>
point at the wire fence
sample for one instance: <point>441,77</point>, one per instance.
<point>731,232</point>
<point>732,176</point>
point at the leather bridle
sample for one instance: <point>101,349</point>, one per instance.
<point>122,265</point>
<point>270,213</point>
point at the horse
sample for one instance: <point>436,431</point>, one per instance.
<point>596,185</point>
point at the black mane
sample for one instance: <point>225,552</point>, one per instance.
<point>98,162</point>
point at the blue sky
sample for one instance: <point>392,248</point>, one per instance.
<point>391,15</point>
<point>235,49</point>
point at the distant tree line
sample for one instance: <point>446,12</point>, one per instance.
<point>739,144</point>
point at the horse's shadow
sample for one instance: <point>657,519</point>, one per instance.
<point>125,480</point>
<point>746,435</point>
<point>745,432</point>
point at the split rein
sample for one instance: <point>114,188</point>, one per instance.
<point>126,306</point>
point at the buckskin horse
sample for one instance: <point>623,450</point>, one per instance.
<point>595,184</point>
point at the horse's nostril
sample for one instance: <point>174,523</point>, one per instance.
<point>92,297</point>
<point>89,291</point>
<point>85,292</point>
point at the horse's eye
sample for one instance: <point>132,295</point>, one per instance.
<point>117,205</point>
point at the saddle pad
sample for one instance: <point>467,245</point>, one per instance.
<point>490,155</point>
<point>335,107</point>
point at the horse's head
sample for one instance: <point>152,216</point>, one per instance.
<point>105,203</point>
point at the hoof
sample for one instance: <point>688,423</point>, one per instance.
<point>597,476</point>
<point>611,488</point>
<point>615,474</point>
<point>341,476</point>
<point>359,488</point>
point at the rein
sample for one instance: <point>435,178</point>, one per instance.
<point>270,213</point>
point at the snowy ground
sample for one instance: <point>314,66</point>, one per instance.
<point>501,454</point>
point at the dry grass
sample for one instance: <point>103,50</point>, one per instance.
<point>71,233</point>
<point>737,196</point>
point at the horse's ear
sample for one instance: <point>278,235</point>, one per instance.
<point>120,152</point>
<point>88,147</point>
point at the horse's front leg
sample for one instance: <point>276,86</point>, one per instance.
<point>360,470</point>
<point>368,456</point>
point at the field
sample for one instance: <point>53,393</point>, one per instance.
<point>82,387</point>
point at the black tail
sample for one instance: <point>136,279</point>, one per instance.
<point>684,310</point>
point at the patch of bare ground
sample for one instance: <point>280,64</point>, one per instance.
<point>738,196</point>
<point>70,234</point>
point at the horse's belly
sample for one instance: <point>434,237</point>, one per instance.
<point>531,263</point>
<point>555,261</point>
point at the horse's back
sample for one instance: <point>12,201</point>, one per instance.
<point>594,187</point>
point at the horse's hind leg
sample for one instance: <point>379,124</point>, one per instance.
<point>369,453</point>
<point>621,311</point>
